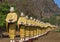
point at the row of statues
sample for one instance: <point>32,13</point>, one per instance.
<point>28,28</point>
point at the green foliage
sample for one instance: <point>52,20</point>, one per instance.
<point>52,19</point>
<point>57,14</point>
<point>57,30</point>
<point>4,9</point>
<point>45,20</point>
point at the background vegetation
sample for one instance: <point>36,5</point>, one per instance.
<point>4,10</point>
<point>54,19</point>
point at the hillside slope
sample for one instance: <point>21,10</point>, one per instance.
<point>36,8</point>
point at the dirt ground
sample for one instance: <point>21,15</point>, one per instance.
<point>50,37</point>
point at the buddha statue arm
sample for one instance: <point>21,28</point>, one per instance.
<point>7,18</point>
<point>14,17</point>
<point>18,22</point>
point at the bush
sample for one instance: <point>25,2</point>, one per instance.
<point>4,9</point>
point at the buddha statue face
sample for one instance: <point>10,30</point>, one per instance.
<point>12,9</point>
